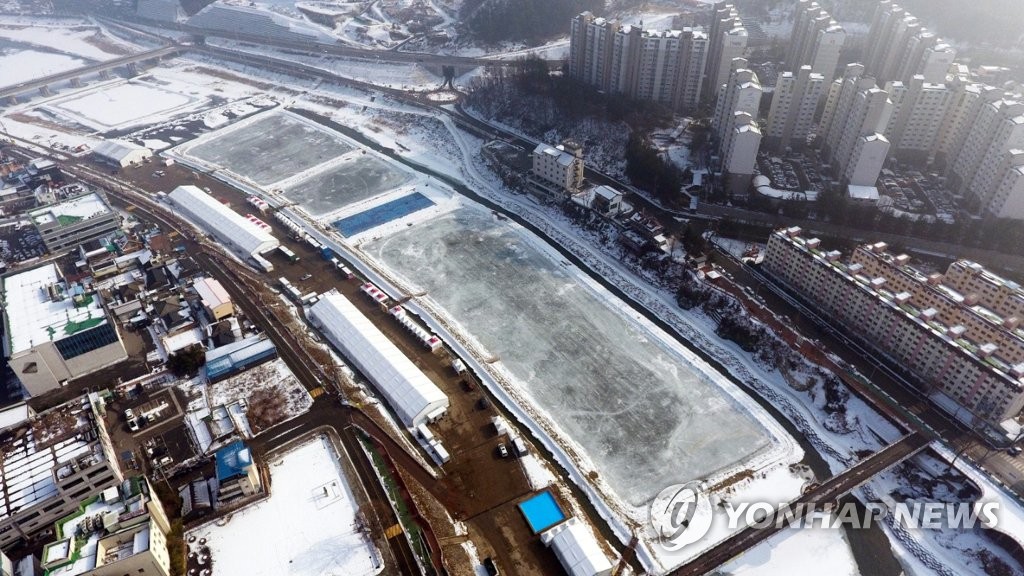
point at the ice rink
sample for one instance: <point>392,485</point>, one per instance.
<point>644,415</point>
<point>271,148</point>
<point>359,178</point>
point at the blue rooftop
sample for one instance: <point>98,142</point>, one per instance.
<point>541,511</point>
<point>233,460</point>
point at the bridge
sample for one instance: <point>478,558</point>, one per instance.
<point>830,491</point>
<point>130,61</point>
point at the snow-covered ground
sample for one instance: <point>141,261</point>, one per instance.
<point>270,392</point>
<point>19,66</point>
<point>75,37</point>
<point>123,104</point>
<point>797,552</point>
<point>307,527</point>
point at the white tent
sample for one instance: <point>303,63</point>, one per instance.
<point>577,549</point>
<point>412,395</point>
<point>121,153</point>
<point>223,222</point>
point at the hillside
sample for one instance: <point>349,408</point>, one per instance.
<point>493,21</point>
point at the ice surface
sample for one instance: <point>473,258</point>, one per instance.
<point>797,552</point>
<point>306,527</point>
<point>644,415</point>
<point>271,148</point>
<point>359,178</point>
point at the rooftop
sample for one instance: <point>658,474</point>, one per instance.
<point>211,292</point>
<point>37,455</point>
<point>71,211</point>
<point>108,528</point>
<point>233,461</point>
<point>41,307</point>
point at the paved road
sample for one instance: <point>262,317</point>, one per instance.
<point>90,69</point>
<point>826,493</point>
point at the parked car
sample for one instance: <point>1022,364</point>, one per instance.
<point>306,276</point>
<point>503,450</point>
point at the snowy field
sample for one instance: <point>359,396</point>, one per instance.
<point>18,66</point>
<point>642,411</point>
<point>78,37</point>
<point>797,552</point>
<point>272,393</point>
<point>356,179</point>
<point>306,528</point>
<point>269,148</point>
<point>123,104</point>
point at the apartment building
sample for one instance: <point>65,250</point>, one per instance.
<point>75,221</point>
<point>1007,201</point>
<point>794,105</point>
<point>558,170</point>
<point>727,40</point>
<point>919,110</point>
<point>941,329</point>
<point>966,102</point>
<point>120,530</point>
<point>856,113</point>
<point>51,464</point>
<point>735,129</point>
<point>816,41</point>
<point>659,66</point>
<point>981,164</point>
<point>899,47</point>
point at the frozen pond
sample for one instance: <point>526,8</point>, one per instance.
<point>354,180</point>
<point>270,148</point>
<point>644,415</point>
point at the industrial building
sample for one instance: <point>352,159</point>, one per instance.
<point>51,464</point>
<point>162,10</point>
<point>225,361</point>
<point>121,154</point>
<point>230,18</point>
<point>120,530</point>
<point>407,389</point>
<point>558,170</point>
<point>243,235</point>
<point>75,221</point>
<point>959,334</point>
<point>216,300</point>
<point>56,331</point>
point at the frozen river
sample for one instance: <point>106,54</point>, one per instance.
<point>270,148</point>
<point>356,179</point>
<point>642,412</point>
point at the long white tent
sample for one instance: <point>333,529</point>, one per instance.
<point>223,222</point>
<point>412,395</point>
<point>577,549</point>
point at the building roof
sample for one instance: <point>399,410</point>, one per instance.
<point>211,292</point>
<point>607,192</point>
<point>409,392</point>
<point>118,150</point>
<point>222,221</point>
<point>223,359</point>
<point>563,157</point>
<point>577,549</point>
<point>867,193</point>
<point>41,307</point>
<point>233,461</point>
<point>71,211</point>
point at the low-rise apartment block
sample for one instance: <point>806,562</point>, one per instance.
<point>50,465</point>
<point>959,333</point>
<point>558,170</point>
<point>121,530</point>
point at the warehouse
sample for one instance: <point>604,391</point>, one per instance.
<point>121,154</point>
<point>410,393</point>
<point>241,234</point>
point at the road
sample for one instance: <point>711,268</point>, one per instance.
<point>828,492</point>
<point>90,69</point>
